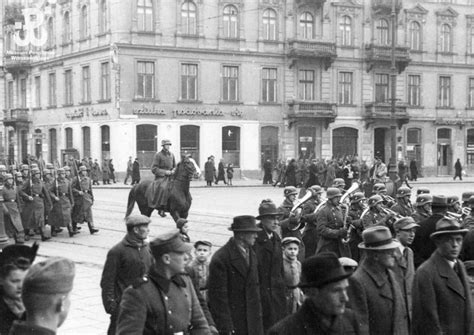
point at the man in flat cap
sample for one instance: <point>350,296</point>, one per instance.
<point>163,167</point>
<point>164,301</point>
<point>441,292</point>
<point>127,262</point>
<point>46,296</point>
<point>324,311</point>
<point>233,286</point>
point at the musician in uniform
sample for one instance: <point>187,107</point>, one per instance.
<point>11,210</point>
<point>83,200</point>
<point>422,190</point>
<point>290,223</point>
<point>381,190</point>
<point>454,205</point>
<point>330,225</point>
<point>36,197</point>
<point>422,207</point>
<point>376,216</point>
<point>354,219</point>
<point>163,167</point>
<point>310,232</point>
<point>403,205</point>
<point>63,201</point>
<point>340,184</point>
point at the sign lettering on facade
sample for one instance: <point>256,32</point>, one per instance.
<point>79,113</point>
<point>185,112</point>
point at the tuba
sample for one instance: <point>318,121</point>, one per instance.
<point>300,202</point>
<point>354,187</point>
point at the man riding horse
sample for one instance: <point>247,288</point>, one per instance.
<point>163,168</point>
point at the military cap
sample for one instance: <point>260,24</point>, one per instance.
<point>169,242</point>
<point>405,223</point>
<point>403,191</point>
<point>452,199</point>
<point>165,142</point>
<point>47,171</point>
<point>470,201</point>
<point>34,165</point>
<point>316,189</point>
<point>24,167</point>
<point>202,242</point>
<point>290,239</point>
<point>49,166</point>
<point>181,222</point>
<point>137,220</point>
<point>18,174</point>
<point>358,196</point>
<point>290,190</point>
<point>52,276</point>
<point>379,187</point>
<point>374,200</point>
<point>466,196</point>
<point>82,168</point>
<point>333,192</point>
<point>67,168</point>
<point>8,176</point>
<point>422,190</point>
<point>35,171</point>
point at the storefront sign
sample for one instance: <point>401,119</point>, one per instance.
<point>449,122</point>
<point>143,110</point>
<point>81,112</point>
<point>197,112</point>
<point>186,112</point>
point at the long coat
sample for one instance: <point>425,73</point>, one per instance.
<point>11,208</point>
<point>330,231</point>
<point>60,215</point>
<point>95,171</point>
<point>136,172</point>
<point>33,212</point>
<point>234,291</point>
<point>380,306</point>
<point>441,301</point>
<point>209,171</point>
<point>270,274</point>
<point>82,210</point>
<point>422,245</point>
<point>157,193</point>
<point>405,274</point>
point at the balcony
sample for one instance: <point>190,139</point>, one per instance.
<point>16,117</point>
<point>301,49</point>
<point>381,56</point>
<point>311,2</point>
<point>307,111</point>
<point>16,62</point>
<point>384,7</point>
<point>382,111</point>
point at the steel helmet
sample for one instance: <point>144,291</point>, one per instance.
<point>35,171</point>
<point>8,176</point>
<point>358,196</point>
<point>452,199</point>
<point>3,168</point>
<point>424,199</point>
<point>403,191</point>
<point>422,190</point>
<point>290,190</point>
<point>333,192</point>
<point>374,200</point>
<point>338,182</point>
<point>379,187</point>
<point>466,196</point>
<point>315,189</point>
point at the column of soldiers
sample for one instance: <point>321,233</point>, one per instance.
<point>45,202</point>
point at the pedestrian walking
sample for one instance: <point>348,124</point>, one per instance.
<point>413,170</point>
<point>83,201</point>
<point>126,263</point>
<point>164,301</point>
<point>267,172</point>
<point>112,170</point>
<point>230,174</point>
<point>95,172</point>
<point>290,174</point>
<point>457,170</point>
<point>209,171</point>
<point>221,172</point>
<point>11,210</point>
<point>129,170</point>
<point>135,172</point>
<point>105,172</point>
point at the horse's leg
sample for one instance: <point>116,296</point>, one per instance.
<point>131,201</point>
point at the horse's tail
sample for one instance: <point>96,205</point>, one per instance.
<point>131,200</point>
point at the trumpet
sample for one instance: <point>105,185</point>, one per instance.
<point>456,216</point>
<point>388,211</point>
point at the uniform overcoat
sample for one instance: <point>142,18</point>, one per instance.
<point>12,211</point>
<point>33,212</point>
<point>82,210</point>
<point>330,231</point>
<point>234,291</point>
<point>157,193</point>
<point>60,215</point>
<point>288,225</point>
<point>404,209</point>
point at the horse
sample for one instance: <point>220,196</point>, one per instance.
<point>179,200</point>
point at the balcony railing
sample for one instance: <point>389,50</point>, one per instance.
<point>312,110</point>
<point>312,49</point>
<point>14,62</point>
<point>15,117</point>
<point>383,111</point>
<point>385,6</point>
<point>381,55</point>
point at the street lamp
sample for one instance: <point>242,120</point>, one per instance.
<point>392,170</point>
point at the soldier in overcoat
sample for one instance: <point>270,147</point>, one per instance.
<point>310,231</point>
<point>63,201</point>
<point>403,205</point>
<point>11,210</point>
<point>83,200</point>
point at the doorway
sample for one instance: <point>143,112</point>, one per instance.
<point>380,135</point>
<point>445,154</point>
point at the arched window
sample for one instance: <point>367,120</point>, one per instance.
<point>69,139</point>
<point>50,30</point>
<point>84,23</point>
<point>231,145</point>
<point>86,141</point>
<point>105,141</point>
<point>145,15</point>
<point>53,146</point>
<point>231,22</point>
<point>445,38</point>
<point>415,36</point>
<point>189,141</point>
<point>383,37</point>
<point>344,141</point>
<point>346,30</point>
<point>307,26</point>
<point>188,18</point>
<point>67,31</point>
<point>146,144</point>
<point>103,21</point>
<point>269,25</point>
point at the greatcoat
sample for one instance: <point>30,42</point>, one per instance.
<point>60,215</point>
<point>12,210</point>
<point>157,192</point>
<point>82,210</point>
<point>33,212</point>
<point>330,230</point>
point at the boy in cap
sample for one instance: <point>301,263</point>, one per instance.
<point>198,269</point>
<point>324,311</point>
<point>127,262</point>
<point>46,296</point>
<point>164,301</point>
<point>291,273</point>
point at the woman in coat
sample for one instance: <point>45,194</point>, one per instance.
<point>105,172</point>
<point>209,171</point>
<point>95,173</point>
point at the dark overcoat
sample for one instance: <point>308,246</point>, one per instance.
<point>310,232</point>
<point>234,291</point>
<point>405,274</point>
<point>270,274</point>
<point>404,209</point>
<point>11,208</point>
<point>33,211</point>
<point>441,300</point>
<point>157,193</point>
<point>422,245</point>
<point>136,172</point>
<point>209,171</point>
<point>330,230</point>
<point>95,171</point>
<point>7,317</point>
<point>82,210</point>
<point>378,300</point>
<point>60,215</point>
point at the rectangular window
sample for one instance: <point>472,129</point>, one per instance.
<point>306,84</point>
<point>68,87</point>
<point>104,81</point>
<point>444,95</point>
<point>414,90</point>
<point>38,91</point>
<point>22,92</point>
<point>52,89</point>
<point>382,88</point>
<point>10,95</point>
<point>269,85</point>
<point>189,81</point>
<point>86,84</point>
<point>345,88</point>
<point>145,80</point>
<point>230,84</point>
<point>471,93</point>
<point>145,16</point>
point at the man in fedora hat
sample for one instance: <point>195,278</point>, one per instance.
<point>374,292</point>
<point>233,285</point>
<point>270,265</point>
<point>164,301</point>
<point>324,311</point>
<point>423,246</point>
<point>441,292</point>
<point>163,167</point>
<point>209,171</point>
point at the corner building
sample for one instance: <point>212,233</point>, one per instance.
<point>245,81</point>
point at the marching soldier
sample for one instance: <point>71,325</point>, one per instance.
<point>454,205</point>
<point>340,184</point>
<point>354,219</point>
<point>375,216</point>
<point>12,211</point>
<point>25,172</point>
<point>83,200</point>
<point>63,201</point>
<point>48,184</point>
<point>68,174</point>
<point>310,233</point>
<point>403,205</point>
<point>465,198</point>
<point>36,197</point>
<point>422,207</point>
<point>381,190</point>
<point>468,221</point>
<point>289,222</point>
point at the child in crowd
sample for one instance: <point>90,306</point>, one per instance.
<point>230,174</point>
<point>292,273</point>
<point>182,225</point>
<point>198,269</point>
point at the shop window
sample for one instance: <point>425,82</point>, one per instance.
<point>470,146</point>
<point>189,142</point>
<point>53,146</point>
<point>413,148</point>
<point>344,142</point>
<point>69,140</point>
<point>146,144</point>
<point>306,142</point>
<point>231,145</point>
<point>86,141</point>
<point>105,140</point>
<point>269,144</point>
